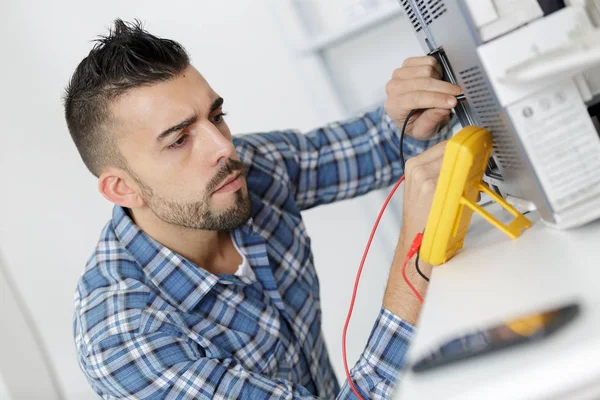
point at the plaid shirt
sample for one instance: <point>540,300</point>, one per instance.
<point>149,324</point>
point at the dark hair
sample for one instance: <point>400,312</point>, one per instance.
<point>127,57</point>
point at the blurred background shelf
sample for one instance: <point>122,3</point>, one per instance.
<point>373,20</point>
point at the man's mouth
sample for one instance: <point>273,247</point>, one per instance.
<point>231,184</point>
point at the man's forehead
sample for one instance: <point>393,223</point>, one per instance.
<point>151,107</point>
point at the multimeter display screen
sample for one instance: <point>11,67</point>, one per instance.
<point>512,332</point>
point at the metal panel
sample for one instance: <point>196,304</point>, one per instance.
<point>449,27</point>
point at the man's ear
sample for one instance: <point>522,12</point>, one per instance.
<point>117,186</point>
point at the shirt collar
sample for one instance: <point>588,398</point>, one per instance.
<point>182,282</point>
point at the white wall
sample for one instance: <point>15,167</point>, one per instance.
<point>23,360</point>
<point>4,395</point>
<point>50,211</point>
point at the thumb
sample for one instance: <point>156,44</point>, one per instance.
<point>429,123</point>
<point>436,114</point>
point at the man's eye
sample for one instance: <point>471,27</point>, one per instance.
<point>179,143</point>
<point>217,119</point>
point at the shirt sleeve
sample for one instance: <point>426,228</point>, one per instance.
<point>379,367</point>
<point>161,365</point>
<point>341,160</point>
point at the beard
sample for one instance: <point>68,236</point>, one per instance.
<point>199,215</point>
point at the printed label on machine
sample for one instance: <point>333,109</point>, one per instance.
<point>562,143</point>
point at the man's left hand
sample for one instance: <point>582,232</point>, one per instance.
<point>418,85</point>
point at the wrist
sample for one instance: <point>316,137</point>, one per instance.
<point>407,237</point>
<point>422,266</point>
<point>413,245</point>
<point>410,244</point>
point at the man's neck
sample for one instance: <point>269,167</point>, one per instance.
<point>214,251</point>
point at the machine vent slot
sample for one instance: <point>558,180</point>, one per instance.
<point>412,17</point>
<point>482,102</point>
<point>430,10</point>
<point>437,8</point>
<point>424,10</point>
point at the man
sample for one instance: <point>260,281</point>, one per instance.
<point>202,284</point>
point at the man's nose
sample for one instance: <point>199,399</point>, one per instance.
<point>221,147</point>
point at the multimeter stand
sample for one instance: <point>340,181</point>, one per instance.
<point>459,184</point>
<point>513,229</point>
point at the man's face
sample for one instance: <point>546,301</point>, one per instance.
<point>180,153</point>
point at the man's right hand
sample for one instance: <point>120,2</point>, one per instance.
<point>421,178</point>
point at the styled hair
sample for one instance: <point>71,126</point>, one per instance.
<point>126,58</point>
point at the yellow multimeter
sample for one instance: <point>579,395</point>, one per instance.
<point>459,184</point>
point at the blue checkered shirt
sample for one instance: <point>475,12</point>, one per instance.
<point>149,324</point>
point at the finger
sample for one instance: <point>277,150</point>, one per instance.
<point>436,115</point>
<point>429,123</point>
<point>434,165</point>
<point>428,188</point>
<point>397,110</point>
<point>441,147</point>
<point>423,60</point>
<point>401,86</point>
<point>433,153</point>
<point>426,99</point>
<point>429,84</point>
<point>417,71</point>
<point>425,172</point>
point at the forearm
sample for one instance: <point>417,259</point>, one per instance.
<point>399,298</point>
<point>336,162</point>
<point>377,371</point>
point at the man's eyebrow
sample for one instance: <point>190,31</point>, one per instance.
<point>216,104</point>
<point>179,127</point>
<point>189,121</point>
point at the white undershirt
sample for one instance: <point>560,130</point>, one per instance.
<point>244,269</point>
